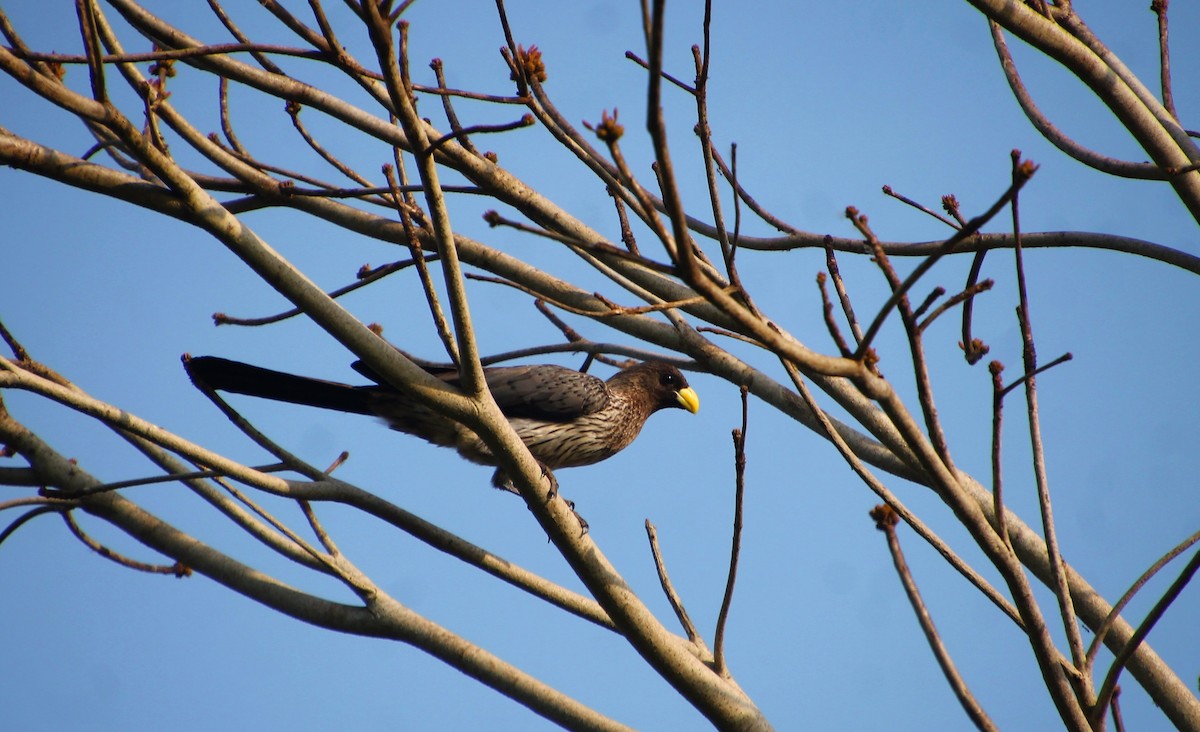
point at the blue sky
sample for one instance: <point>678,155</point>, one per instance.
<point>827,102</point>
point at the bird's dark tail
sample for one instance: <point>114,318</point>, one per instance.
<point>241,378</point>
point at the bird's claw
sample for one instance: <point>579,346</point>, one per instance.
<point>549,476</point>
<point>583,524</point>
<point>503,482</point>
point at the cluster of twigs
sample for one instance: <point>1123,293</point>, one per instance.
<point>682,294</point>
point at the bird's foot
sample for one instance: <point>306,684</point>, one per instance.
<point>549,476</point>
<point>501,480</point>
<point>583,524</point>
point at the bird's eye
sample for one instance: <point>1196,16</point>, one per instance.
<point>669,379</point>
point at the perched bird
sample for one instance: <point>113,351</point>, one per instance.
<point>565,417</point>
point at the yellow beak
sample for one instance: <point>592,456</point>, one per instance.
<point>688,399</point>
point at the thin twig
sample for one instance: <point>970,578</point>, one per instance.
<point>340,460</point>
<point>737,214</point>
<point>318,529</point>
<point>703,130</point>
<point>1119,606</point>
<point>86,11</point>
<point>831,322</point>
<point>256,52</point>
<point>1040,369</point>
<point>568,332</point>
<point>44,506</point>
<point>750,201</point>
<point>403,6</point>
<point>169,478</point>
<point>614,310</point>
<point>18,351</point>
<point>293,109</point>
<point>973,348</point>
<point>327,562</point>
<point>525,121</point>
<point>1159,8</point>
<point>493,218</point>
<point>928,302</point>
<point>640,62</point>
<point>365,277</point>
<point>223,112</point>
<point>916,345</point>
<point>1062,591</point>
<point>610,132</point>
<point>887,191</point>
<point>886,520</point>
<point>405,205</point>
<point>739,469</point>
<point>217,49</point>
<point>456,127</point>
<point>1115,705</point>
<point>669,589</point>
<point>332,44</point>
<point>177,569</point>
<point>964,296</point>
<point>1025,171</point>
<point>730,334</point>
<point>627,237</point>
<point>1108,688</point>
<point>839,285</point>
<point>881,490</point>
<point>1056,137</point>
<point>999,517</point>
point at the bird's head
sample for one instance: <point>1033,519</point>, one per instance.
<point>663,385</point>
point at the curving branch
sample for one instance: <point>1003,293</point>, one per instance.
<point>1072,45</point>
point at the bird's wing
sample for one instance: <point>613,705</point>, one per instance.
<point>544,391</point>
<point>553,393</point>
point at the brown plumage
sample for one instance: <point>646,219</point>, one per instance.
<point>566,418</point>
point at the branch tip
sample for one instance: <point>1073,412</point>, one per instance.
<point>885,517</point>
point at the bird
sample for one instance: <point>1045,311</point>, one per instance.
<point>566,418</point>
